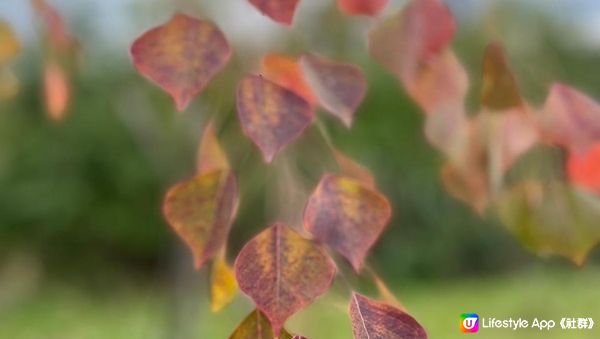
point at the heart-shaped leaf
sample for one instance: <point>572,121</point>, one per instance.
<point>270,115</point>
<point>347,216</point>
<point>571,119</point>
<point>181,56</point>
<point>285,72</point>
<point>340,88</point>
<point>283,272</point>
<point>376,320</point>
<point>201,211</point>
<point>281,11</point>
<point>362,7</point>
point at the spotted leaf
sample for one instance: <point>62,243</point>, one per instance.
<point>201,211</point>
<point>181,56</point>
<point>339,87</point>
<point>281,11</point>
<point>257,326</point>
<point>283,272</point>
<point>270,115</point>
<point>376,320</point>
<point>347,216</point>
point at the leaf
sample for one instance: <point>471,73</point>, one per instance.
<point>584,169</point>
<point>281,11</point>
<point>362,7</point>
<point>499,87</point>
<point>223,286</point>
<point>201,211</point>
<point>10,46</point>
<point>211,156</point>
<point>57,90</point>
<point>376,320</point>
<point>283,272</point>
<point>571,119</point>
<point>9,84</point>
<point>408,39</point>
<point>270,115</point>
<point>339,87</point>
<point>552,218</point>
<point>257,326</point>
<point>181,56</point>
<point>285,72</point>
<point>62,43</point>
<point>347,216</point>
<point>350,168</point>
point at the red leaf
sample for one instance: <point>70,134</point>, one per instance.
<point>181,56</point>
<point>339,87</point>
<point>201,211</point>
<point>285,72</point>
<point>376,320</point>
<point>270,115</point>
<point>584,169</point>
<point>362,7</point>
<point>571,119</point>
<point>347,216</point>
<point>283,272</point>
<point>281,11</point>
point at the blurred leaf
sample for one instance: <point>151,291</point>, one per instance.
<point>281,11</point>
<point>570,119</point>
<point>584,169</point>
<point>211,156</point>
<point>376,320</point>
<point>339,87</point>
<point>347,216</point>
<point>362,7</point>
<point>257,326</point>
<point>552,218</point>
<point>499,89</point>
<point>270,115</point>
<point>57,90</point>
<point>283,272</point>
<point>285,72</point>
<point>9,44</point>
<point>9,84</point>
<point>350,168</point>
<point>56,31</point>
<point>181,56</point>
<point>223,286</point>
<point>201,211</point>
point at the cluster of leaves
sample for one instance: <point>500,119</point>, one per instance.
<point>548,215</point>
<point>283,268</point>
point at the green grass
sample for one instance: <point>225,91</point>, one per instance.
<point>65,312</point>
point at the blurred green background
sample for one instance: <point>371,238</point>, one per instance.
<point>86,253</point>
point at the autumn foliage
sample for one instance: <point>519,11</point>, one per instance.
<point>284,268</point>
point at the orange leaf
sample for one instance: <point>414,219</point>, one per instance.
<point>223,286</point>
<point>285,72</point>
<point>571,119</point>
<point>270,115</point>
<point>57,90</point>
<point>347,216</point>
<point>376,320</point>
<point>9,44</point>
<point>283,272</point>
<point>201,211</point>
<point>281,11</point>
<point>362,7</point>
<point>181,56</point>
<point>350,168</point>
<point>339,87</point>
<point>211,156</point>
<point>257,326</point>
<point>499,87</point>
<point>584,169</point>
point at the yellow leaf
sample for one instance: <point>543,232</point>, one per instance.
<point>223,286</point>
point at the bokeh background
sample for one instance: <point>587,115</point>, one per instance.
<point>86,253</point>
